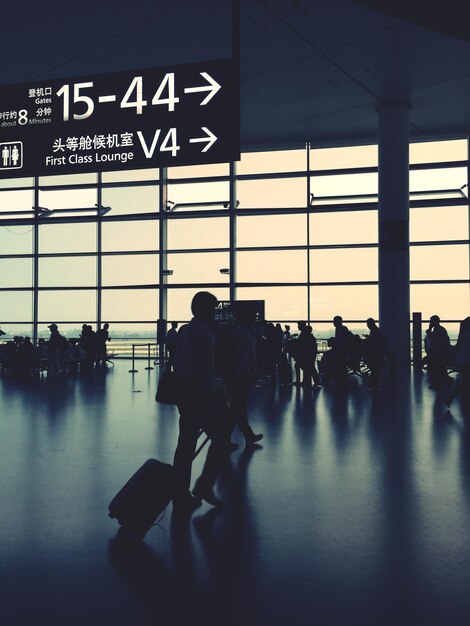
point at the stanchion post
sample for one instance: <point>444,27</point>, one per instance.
<point>148,358</point>
<point>133,358</point>
<point>417,342</point>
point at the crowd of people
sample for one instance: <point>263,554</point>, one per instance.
<point>277,349</point>
<point>57,354</point>
<point>215,364</point>
<point>442,357</point>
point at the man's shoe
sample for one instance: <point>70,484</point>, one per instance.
<point>208,496</point>
<point>253,439</point>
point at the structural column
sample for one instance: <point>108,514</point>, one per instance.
<point>233,232</point>
<point>163,245</point>
<point>394,247</point>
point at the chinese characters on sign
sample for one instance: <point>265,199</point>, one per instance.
<point>181,115</point>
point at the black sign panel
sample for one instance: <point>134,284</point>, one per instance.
<point>179,115</point>
<point>228,310</point>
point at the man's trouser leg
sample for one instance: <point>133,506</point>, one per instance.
<point>188,435</point>
<point>218,429</point>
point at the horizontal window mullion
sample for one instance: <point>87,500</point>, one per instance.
<point>422,204</point>
<point>273,175</point>
<point>451,242</point>
<point>272,211</point>
<point>52,255</point>
<point>195,285</point>
<point>131,183</point>
<point>169,215</point>
<point>196,250</point>
<point>196,180</point>
<point>456,281</point>
<point>130,252</point>
<point>15,289</point>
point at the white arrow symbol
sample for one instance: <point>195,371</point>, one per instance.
<point>212,88</point>
<point>211,139</point>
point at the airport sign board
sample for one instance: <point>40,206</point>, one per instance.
<point>177,115</point>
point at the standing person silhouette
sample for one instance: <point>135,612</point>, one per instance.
<point>195,371</point>
<point>373,353</point>
<point>170,342</point>
<point>295,352</point>
<point>240,374</point>
<point>462,361</point>
<point>55,346</point>
<point>306,357</point>
<point>102,336</point>
<point>438,350</point>
<point>342,346</point>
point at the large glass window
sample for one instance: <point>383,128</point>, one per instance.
<point>439,262</point>
<point>272,193</point>
<point>196,196</point>
<point>281,303</point>
<point>130,269</point>
<point>17,239</point>
<point>339,158</point>
<point>16,306</point>
<point>16,273</point>
<point>199,171</point>
<point>67,306</point>
<point>448,179</point>
<point>352,302</point>
<point>54,238</point>
<point>68,199</point>
<point>267,266</point>
<point>438,151</point>
<point>444,223</point>
<point>201,232</point>
<point>129,200</point>
<point>129,304</point>
<point>449,301</point>
<point>272,162</point>
<point>67,271</point>
<point>343,188</point>
<point>343,227</point>
<point>311,259</point>
<point>203,267</point>
<point>135,235</point>
<point>344,265</point>
<point>131,175</point>
<point>13,201</point>
<point>271,230</point>
<point>67,179</point>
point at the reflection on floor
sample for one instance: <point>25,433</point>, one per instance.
<point>356,510</point>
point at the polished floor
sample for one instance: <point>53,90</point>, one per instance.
<point>356,510</point>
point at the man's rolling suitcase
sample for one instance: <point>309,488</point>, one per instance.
<point>145,495</point>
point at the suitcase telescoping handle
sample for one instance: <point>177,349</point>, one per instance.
<point>187,461</point>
